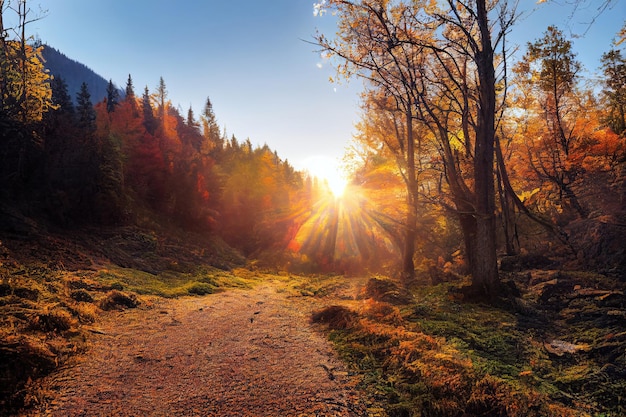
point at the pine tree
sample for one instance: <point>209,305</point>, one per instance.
<point>614,67</point>
<point>112,97</point>
<point>211,130</point>
<point>61,99</point>
<point>149,121</point>
<point>130,90</point>
<point>161,96</point>
<point>85,111</point>
<point>191,119</point>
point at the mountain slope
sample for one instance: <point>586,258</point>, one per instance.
<point>74,73</point>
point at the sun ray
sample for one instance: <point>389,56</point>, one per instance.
<point>341,232</point>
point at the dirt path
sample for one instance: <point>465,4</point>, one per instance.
<point>237,353</point>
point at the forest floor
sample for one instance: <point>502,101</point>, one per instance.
<point>242,352</point>
<point>127,322</point>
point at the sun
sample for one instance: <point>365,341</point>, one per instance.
<point>337,185</point>
<point>329,172</point>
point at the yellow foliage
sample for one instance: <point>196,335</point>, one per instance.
<point>27,94</point>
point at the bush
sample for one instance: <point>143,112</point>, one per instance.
<point>52,321</point>
<point>116,300</point>
<point>335,317</point>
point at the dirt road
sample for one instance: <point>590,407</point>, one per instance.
<point>236,353</point>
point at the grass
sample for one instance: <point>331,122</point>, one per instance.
<point>438,356</point>
<point>53,290</point>
<point>169,284</point>
<point>434,356</point>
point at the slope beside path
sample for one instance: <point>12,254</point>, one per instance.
<point>236,353</point>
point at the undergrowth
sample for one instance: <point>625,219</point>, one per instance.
<point>439,356</point>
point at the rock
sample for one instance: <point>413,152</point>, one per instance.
<point>561,347</point>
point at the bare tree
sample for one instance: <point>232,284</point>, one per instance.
<point>438,61</point>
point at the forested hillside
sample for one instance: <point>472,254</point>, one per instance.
<point>134,159</point>
<point>74,73</point>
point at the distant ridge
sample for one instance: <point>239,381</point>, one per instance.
<point>75,73</point>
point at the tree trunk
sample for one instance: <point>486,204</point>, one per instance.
<point>507,205</point>
<point>485,279</point>
<point>408,267</point>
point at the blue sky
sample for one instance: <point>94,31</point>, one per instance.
<point>251,59</point>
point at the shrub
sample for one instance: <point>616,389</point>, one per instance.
<point>52,321</point>
<point>116,300</point>
<point>335,317</point>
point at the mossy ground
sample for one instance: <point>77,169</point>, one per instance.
<point>527,356</point>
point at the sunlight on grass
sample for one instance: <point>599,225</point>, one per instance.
<point>204,280</point>
<point>444,358</point>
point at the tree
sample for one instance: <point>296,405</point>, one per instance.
<point>374,40</point>
<point>443,58</point>
<point>61,99</point>
<point>86,114</point>
<point>210,129</point>
<point>161,98</point>
<point>29,94</point>
<point>129,90</point>
<point>149,121</point>
<point>548,76</point>
<point>112,97</point>
<point>614,68</point>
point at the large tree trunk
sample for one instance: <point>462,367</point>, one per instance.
<point>408,267</point>
<point>485,279</point>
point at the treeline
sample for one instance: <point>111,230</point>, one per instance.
<point>136,160</point>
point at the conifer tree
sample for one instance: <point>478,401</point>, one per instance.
<point>614,67</point>
<point>60,96</point>
<point>112,97</point>
<point>210,128</point>
<point>191,119</point>
<point>149,121</point>
<point>161,97</point>
<point>130,90</point>
<point>85,111</point>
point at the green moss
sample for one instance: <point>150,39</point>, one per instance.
<point>202,280</point>
<point>200,288</point>
<point>484,355</point>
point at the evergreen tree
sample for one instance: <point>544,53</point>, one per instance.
<point>130,90</point>
<point>211,130</point>
<point>161,98</point>
<point>60,96</point>
<point>191,119</point>
<point>112,97</point>
<point>149,121</point>
<point>84,107</point>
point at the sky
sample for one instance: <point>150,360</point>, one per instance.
<point>253,60</point>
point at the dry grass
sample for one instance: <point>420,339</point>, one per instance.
<point>438,357</point>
